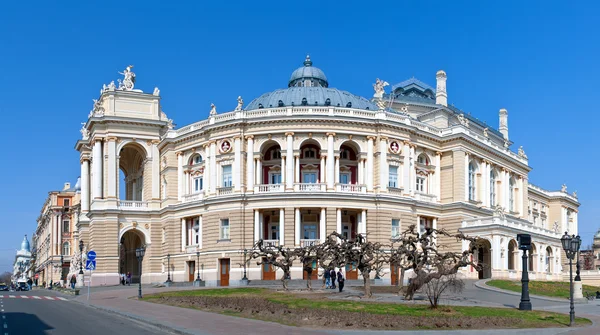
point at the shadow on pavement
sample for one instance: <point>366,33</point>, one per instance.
<point>24,323</point>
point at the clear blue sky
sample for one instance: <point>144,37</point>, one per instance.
<point>539,60</point>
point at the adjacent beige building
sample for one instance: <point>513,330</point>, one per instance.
<point>296,164</point>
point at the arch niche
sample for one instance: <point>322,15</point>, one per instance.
<point>128,262</point>
<point>132,158</point>
<point>484,258</point>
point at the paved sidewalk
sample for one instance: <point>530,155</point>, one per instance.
<point>195,322</point>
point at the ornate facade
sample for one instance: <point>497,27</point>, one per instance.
<point>22,264</point>
<point>55,237</point>
<point>296,164</point>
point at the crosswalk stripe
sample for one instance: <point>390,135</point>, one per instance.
<point>36,297</point>
<point>49,298</point>
<point>25,297</point>
<point>11,296</point>
<point>61,298</point>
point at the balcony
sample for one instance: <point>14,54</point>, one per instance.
<point>133,205</point>
<point>270,243</point>
<point>192,197</point>
<point>395,191</point>
<point>191,249</point>
<point>350,188</point>
<point>269,188</point>
<point>425,197</point>
<point>517,225</point>
<point>225,190</point>
<point>309,187</point>
<point>309,243</point>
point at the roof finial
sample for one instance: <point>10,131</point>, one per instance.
<point>307,61</point>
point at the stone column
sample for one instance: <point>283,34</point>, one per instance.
<point>259,171</point>
<point>297,226</point>
<point>337,169</point>
<point>411,171</point>
<point>363,223</point>
<point>383,165</point>
<point>370,170</point>
<point>406,168</point>
<point>199,234</point>
<point>207,170</point>
<point>290,161</point>
<point>284,176</point>
<point>236,169</point>
<point>322,226</point>
<point>361,178</point>
<point>256,225</point>
<point>338,221</point>
<point>112,168</point>
<point>485,183</point>
<point>155,170</point>
<point>467,155</point>
<point>437,176</point>
<point>85,184</point>
<point>179,175</point>
<point>250,164</point>
<point>296,168</point>
<point>213,167</point>
<point>58,233</point>
<point>330,161</point>
<point>322,169</point>
<point>97,165</point>
<point>281,226</point>
<point>183,223</point>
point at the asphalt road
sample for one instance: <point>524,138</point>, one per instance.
<point>47,312</point>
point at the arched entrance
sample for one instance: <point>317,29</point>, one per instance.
<point>128,262</point>
<point>484,258</point>
<point>513,255</point>
<point>131,177</point>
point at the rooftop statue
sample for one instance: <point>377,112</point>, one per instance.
<point>463,120</point>
<point>574,194</point>
<point>379,88</point>
<point>485,132</point>
<point>522,152</point>
<point>156,91</point>
<point>563,189</point>
<point>213,110</point>
<point>240,103</point>
<point>128,81</point>
<point>85,134</point>
<point>164,117</point>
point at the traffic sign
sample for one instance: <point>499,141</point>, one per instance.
<point>91,255</point>
<point>90,264</point>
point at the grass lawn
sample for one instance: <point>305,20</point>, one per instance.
<point>546,288</point>
<point>511,318</point>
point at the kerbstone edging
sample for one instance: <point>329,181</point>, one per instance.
<point>482,284</point>
<point>138,318</point>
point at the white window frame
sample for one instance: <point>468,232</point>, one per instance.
<point>492,189</point>
<point>224,229</point>
<point>472,181</point>
<point>421,187</point>
<point>395,228</point>
<point>425,222</point>
<point>68,223</point>
<point>197,184</point>
<point>68,248</point>
<point>312,173</point>
<point>195,160</point>
<point>312,151</point>
<point>393,176</point>
<point>276,154</point>
<point>227,179</point>
<point>347,175</point>
<point>511,195</point>
<point>273,174</point>
<point>276,229</point>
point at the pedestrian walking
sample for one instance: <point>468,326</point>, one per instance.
<point>122,278</point>
<point>73,281</point>
<point>340,278</point>
<point>129,278</point>
<point>327,276</point>
<point>332,278</point>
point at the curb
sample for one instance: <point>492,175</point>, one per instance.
<point>138,318</point>
<point>482,284</point>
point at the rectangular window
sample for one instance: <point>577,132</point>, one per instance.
<point>310,231</point>
<point>274,232</point>
<point>420,184</point>
<point>224,231</point>
<point>425,223</point>
<point>275,178</point>
<point>66,226</point>
<point>344,178</point>
<point>198,184</point>
<point>226,175</point>
<point>393,182</point>
<point>66,202</point>
<point>309,177</point>
<point>395,228</point>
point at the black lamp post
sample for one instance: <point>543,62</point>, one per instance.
<point>139,253</point>
<point>577,277</point>
<point>81,255</point>
<point>571,246</point>
<point>245,255</point>
<point>524,244</point>
<point>168,268</point>
<point>198,265</point>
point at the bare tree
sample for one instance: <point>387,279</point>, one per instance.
<point>279,256</point>
<point>588,259</point>
<point>436,287</point>
<point>5,278</point>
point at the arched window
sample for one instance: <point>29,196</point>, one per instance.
<point>511,195</point>
<point>280,103</point>
<point>349,105</point>
<point>327,102</point>
<point>196,159</point>
<point>304,102</point>
<point>471,181</point>
<point>66,249</point>
<point>492,189</point>
<point>276,154</point>
<point>344,154</point>
<point>422,159</point>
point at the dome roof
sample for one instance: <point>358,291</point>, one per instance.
<point>310,96</point>
<point>25,244</point>
<point>597,234</point>
<point>308,72</point>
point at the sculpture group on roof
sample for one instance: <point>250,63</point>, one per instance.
<point>379,88</point>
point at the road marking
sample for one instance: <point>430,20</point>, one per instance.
<point>11,296</point>
<point>36,297</point>
<point>49,298</point>
<point>25,297</point>
<point>61,298</point>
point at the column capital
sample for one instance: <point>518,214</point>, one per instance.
<point>111,138</point>
<point>372,138</point>
<point>438,153</point>
<point>383,138</point>
<point>84,159</point>
<point>237,137</point>
<point>179,153</point>
<point>406,142</point>
<point>249,137</point>
<point>329,134</point>
<point>289,134</point>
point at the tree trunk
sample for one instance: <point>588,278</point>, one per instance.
<point>367,284</point>
<point>309,283</point>
<point>284,279</point>
<point>401,281</point>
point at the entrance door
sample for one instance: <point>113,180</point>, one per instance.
<point>351,272</point>
<point>268,271</point>
<point>224,271</point>
<point>309,177</point>
<point>191,270</point>
<point>394,274</point>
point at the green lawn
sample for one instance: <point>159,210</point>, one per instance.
<point>545,288</point>
<point>292,301</point>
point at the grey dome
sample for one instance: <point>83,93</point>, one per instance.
<point>308,73</point>
<point>25,244</point>
<point>310,96</point>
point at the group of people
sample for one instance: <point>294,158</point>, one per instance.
<point>330,277</point>
<point>125,278</point>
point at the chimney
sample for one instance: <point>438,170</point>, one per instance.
<point>441,97</point>
<point>504,123</point>
<point>67,186</point>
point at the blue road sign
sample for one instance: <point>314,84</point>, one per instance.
<point>90,264</point>
<point>91,255</point>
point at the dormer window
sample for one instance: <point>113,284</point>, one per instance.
<point>349,105</point>
<point>328,102</point>
<point>260,106</point>
<point>280,103</point>
<point>304,102</point>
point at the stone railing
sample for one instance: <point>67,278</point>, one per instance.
<point>225,190</point>
<point>192,197</point>
<point>510,223</point>
<point>425,197</point>
<point>395,191</point>
<point>189,249</point>
<point>271,243</point>
<point>309,243</point>
<point>350,188</point>
<point>132,205</point>
<point>268,188</point>
<point>309,187</point>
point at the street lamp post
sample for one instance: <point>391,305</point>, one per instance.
<point>524,244</point>
<point>168,268</point>
<point>81,255</point>
<point>198,265</point>
<point>245,260</point>
<point>571,246</point>
<point>139,253</point>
